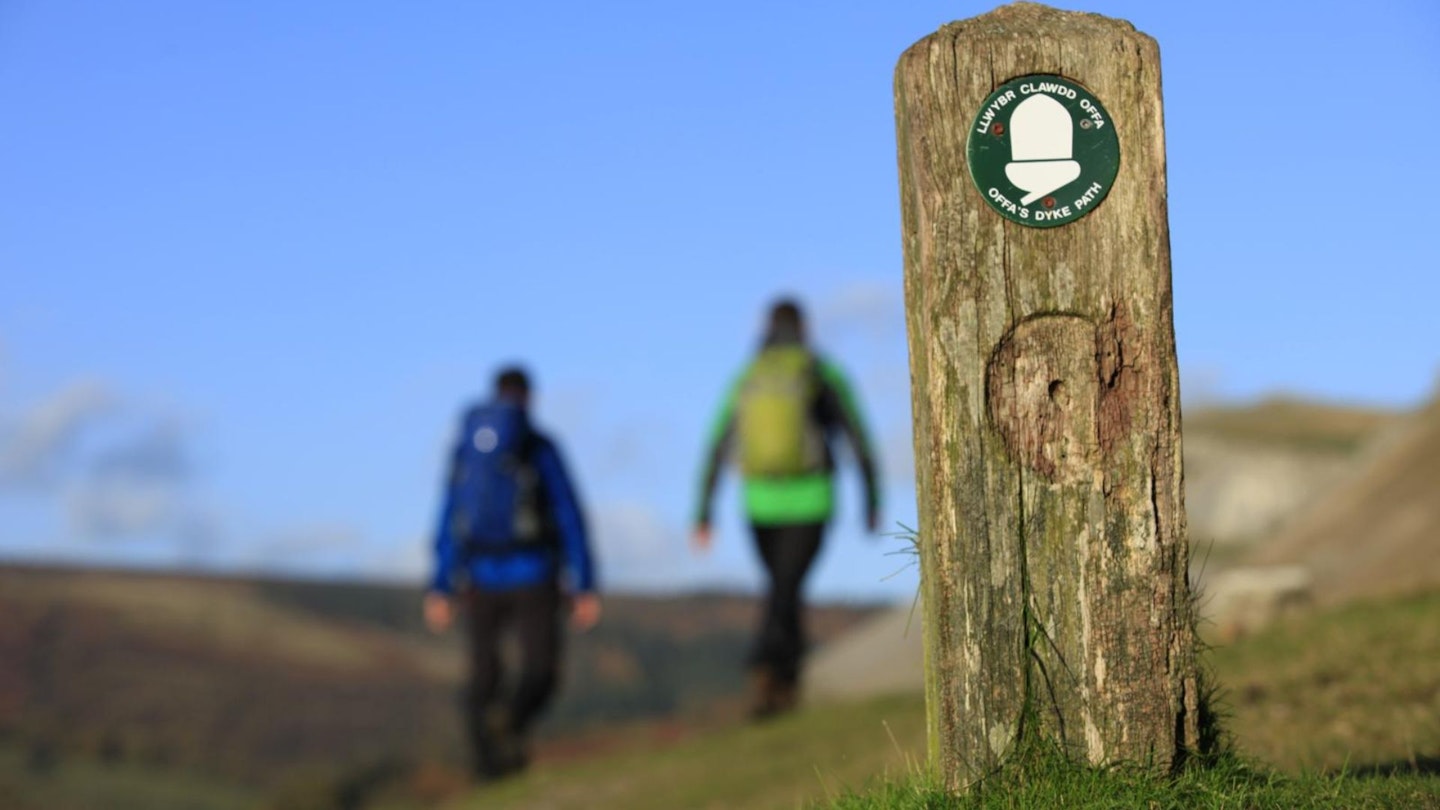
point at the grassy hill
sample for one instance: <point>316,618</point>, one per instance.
<point>1250,468</point>
<point>779,765</point>
<point>1292,424</point>
<point>1354,690</point>
<point>148,683</point>
<point>1356,687</point>
<point>1336,710</point>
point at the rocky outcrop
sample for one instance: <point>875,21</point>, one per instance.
<point>1237,492</point>
<point>1239,600</point>
<point>1380,533</point>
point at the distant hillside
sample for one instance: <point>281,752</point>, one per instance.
<point>1250,468</point>
<point>196,674</point>
<point>250,681</point>
<point>1291,424</point>
<point>1379,533</point>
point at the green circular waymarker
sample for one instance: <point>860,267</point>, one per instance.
<point>1043,151</point>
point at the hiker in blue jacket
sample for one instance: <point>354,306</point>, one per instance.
<point>512,542</point>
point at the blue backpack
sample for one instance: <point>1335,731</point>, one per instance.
<point>497,502</point>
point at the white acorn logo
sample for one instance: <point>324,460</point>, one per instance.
<point>1042,138</point>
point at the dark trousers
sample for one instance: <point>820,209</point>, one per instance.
<point>788,552</point>
<point>533,614</point>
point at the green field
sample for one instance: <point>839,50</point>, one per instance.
<point>1228,785</point>
<point>1355,688</point>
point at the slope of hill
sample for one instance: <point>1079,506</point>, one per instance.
<point>1249,468</point>
<point>250,682</point>
<point>1356,688</point>
<point>206,675</point>
<point>1380,533</point>
<point>1291,423</point>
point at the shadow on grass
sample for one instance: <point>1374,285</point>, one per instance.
<point>1417,766</point>
<point>381,783</point>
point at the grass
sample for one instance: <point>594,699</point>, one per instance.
<point>1355,688</point>
<point>1342,709</point>
<point>1229,785</point>
<point>782,764</point>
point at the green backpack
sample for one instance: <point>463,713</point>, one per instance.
<point>774,415</point>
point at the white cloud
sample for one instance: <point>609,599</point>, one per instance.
<point>302,541</point>
<point>109,469</point>
<point>632,532</point>
<point>114,507</point>
<point>35,448</point>
<point>138,484</point>
<point>316,548</point>
<point>158,451</point>
<point>407,562</point>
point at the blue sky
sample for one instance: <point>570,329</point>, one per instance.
<point>254,256</point>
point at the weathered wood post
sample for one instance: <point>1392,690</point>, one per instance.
<point>1045,392</point>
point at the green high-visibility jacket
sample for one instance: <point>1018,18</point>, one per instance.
<point>797,499</point>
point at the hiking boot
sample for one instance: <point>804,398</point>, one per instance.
<point>785,697</point>
<point>760,692</point>
<point>500,752</point>
<point>769,695</point>
<point>509,746</point>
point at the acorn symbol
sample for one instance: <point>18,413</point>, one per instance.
<point>1042,138</point>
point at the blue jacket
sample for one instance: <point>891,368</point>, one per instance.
<point>527,567</point>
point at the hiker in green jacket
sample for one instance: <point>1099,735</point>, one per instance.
<point>778,420</point>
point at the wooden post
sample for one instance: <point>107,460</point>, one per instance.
<point>1045,398</point>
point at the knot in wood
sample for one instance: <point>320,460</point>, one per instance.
<point>1042,384</point>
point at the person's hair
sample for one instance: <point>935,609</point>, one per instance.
<point>786,321</point>
<point>512,383</point>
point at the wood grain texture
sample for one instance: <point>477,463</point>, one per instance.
<point>1046,407</point>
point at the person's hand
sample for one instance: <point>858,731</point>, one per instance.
<point>439,612</point>
<point>700,539</point>
<point>585,611</point>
